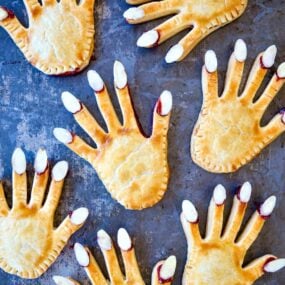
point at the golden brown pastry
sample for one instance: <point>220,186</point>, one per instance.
<point>60,36</point>
<point>228,133</point>
<point>203,16</point>
<point>133,167</point>
<point>29,243</point>
<point>163,271</point>
<point>217,259</point>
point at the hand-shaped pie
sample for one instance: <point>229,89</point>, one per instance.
<point>29,244</point>
<point>133,167</point>
<point>203,16</point>
<point>163,271</point>
<point>60,36</point>
<point>218,258</point>
<point>228,133</point>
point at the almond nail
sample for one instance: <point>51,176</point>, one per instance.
<point>19,163</point>
<point>59,171</point>
<point>41,161</point>
<point>148,39</point>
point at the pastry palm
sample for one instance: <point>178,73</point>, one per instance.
<point>133,167</point>
<point>163,271</point>
<point>228,133</point>
<point>60,36</point>
<point>203,16</point>
<point>29,244</point>
<point>218,258</point>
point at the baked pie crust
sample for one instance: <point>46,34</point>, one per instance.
<point>60,36</point>
<point>217,259</point>
<point>163,271</point>
<point>29,243</point>
<point>203,16</point>
<point>228,133</point>
<point>133,167</point>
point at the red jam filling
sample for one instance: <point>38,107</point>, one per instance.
<point>160,279</point>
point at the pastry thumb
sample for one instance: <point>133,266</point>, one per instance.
<point>265,264</point>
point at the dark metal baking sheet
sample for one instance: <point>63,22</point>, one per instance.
<point>30,108</point>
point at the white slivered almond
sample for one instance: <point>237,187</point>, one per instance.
<point>70,102</point>
<point>60,170</point>
<point>148,39</point>
<point>219,195</point>
<point>268,206</point>
<point>164,105</point>
<point>81,255</point>
<point>134,13</point>
<point>41,161</point>
<point>274,265</point>
<point>124,240</point>
<point>281,71</point>
<point>189,211</point>
<point>174,54</point>
<point>268,57</point>
<point>120,75</point>
<point>168,268</point>
<point>19,163</point>
<point>59,280</point>
<point>63,135</point>
<point>95,81</point>
<point>211,62</point>
<point>240,50</point>
<point>104,240</point>
<point>3,14</point>
<point>245,192</point>
<point>79,216</point>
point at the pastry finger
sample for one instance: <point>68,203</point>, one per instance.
<point>235,70</point>
<point>262,265</point>
<point>262,64</point>
<point>84,118</point>
<point>164,271</point>
<point>129,258</point>
<point>275,127</point>
<point>136,2</point>
<point>210,77</point>
<point>40,179</point>
<point>161,114</point>
<point>123,94</point>
<point>190,223</point>
<point>215,213</point>
<point>255,224</point>
<point>103,100</point>
<point>110,257</point>
<point>19,165</point>
<point>164,31</point>
<point>59,173</point>
<point>272,89</point>
<point>11,24</point>
<point>150,11</point>
<point>237,213</point>
<point>72,223</point>
<point>76,144</point>
<point>86,260</point>
<point>185,46</point>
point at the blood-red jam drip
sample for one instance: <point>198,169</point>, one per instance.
<point>160,279</point>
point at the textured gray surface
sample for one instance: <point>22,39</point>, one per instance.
<point>30,108</point>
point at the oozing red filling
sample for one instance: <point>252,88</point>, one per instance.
<point>268,260</point>
<point>10,13</point>
<point>160,279</point>
<point>265,217</point>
